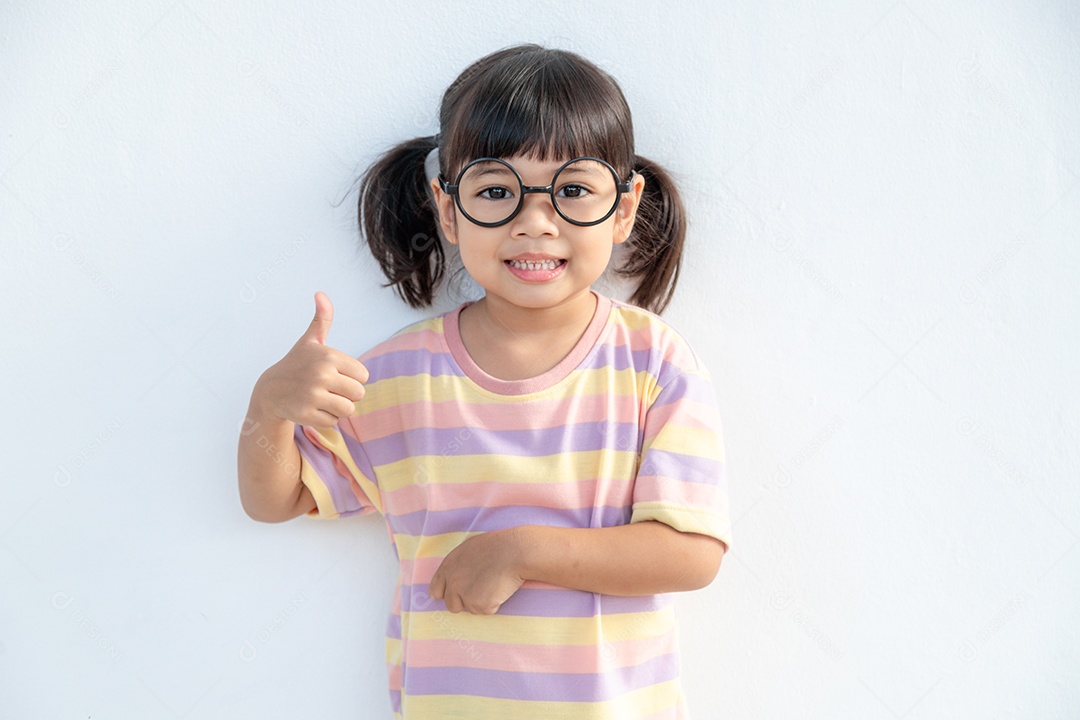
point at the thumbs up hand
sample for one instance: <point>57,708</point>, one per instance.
<point>314,384</point>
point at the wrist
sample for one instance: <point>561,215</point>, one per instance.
<point>259,407</point>
<point>523,543</point>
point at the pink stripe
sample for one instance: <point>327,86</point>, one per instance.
<point>419,571</point>
<point>539,658</point>
<point>434,497</point>
<point>395,676</point>
<point>649,338</point>
<point>682,413</point>
<point>676,492</point>
<point>452,413</point>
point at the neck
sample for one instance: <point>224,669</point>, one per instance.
<point>500,317</point>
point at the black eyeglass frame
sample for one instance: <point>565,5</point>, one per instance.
<point>620,188</point>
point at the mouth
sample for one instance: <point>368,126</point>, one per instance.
<point>537,270</point>
<point>539,264</point>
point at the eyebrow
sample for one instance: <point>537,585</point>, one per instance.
<point>492,168</point>
<point>581,171</point>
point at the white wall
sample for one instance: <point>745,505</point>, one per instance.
<point>881,275</point>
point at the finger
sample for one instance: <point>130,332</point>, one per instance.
<point>350,367</point>
<point>336,405</point>
<point>320,324</point>
<point>347,388</point>
<point>322,419</point>
<point>436,586</point>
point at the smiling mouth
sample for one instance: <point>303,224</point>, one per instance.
<point>535,264</point>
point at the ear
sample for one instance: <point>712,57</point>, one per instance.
<point>627,210</point>
<point>447,212</point>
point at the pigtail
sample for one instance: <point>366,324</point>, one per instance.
<point>398,221</point>
<point>655,244</point>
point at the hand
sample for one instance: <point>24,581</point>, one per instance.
<point>313,384</point>
<point>480,574</point>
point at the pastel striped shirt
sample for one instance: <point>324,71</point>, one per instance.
<point>624,429</point>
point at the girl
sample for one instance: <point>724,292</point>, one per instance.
<point>548,460</point>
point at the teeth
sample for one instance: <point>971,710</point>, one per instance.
<point>535,264</point>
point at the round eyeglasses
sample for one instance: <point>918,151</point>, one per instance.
<point>490,192</point>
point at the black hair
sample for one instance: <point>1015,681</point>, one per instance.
<point>524,100</point>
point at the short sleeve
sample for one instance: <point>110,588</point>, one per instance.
<point>682,479</point>
<point>335,469</point>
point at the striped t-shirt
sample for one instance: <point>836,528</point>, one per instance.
<point>624,429</point>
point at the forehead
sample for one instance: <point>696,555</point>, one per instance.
<point>528,167</point>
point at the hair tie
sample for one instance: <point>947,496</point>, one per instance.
<point>431,171</point>
<point>431,164</point>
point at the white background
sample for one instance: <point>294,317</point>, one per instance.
<point>881,275</point>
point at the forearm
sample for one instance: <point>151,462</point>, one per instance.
<point>268,465</point>
<point>642,558</point>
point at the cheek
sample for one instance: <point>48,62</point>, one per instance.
<point>476,254</point>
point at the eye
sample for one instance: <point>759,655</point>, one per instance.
<point>494,193</point>
<point>573,192</point>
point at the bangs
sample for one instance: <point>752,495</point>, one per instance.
<point>548,105</point>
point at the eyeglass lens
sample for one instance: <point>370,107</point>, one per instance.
<point>584,191</point>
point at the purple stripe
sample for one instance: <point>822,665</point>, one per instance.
<point>689,386</point>
<point>678,466</point>
<point>621,357</point>
<point>552,687</point>
<point>395,701</point>
<point>410,362</point>
<point>544,602</point>
<point>322,461</point>
<point>486,519</point>
<point>359,455</point>
<point>441,442</point>
<point>402,363</point>
<point>393,624</point>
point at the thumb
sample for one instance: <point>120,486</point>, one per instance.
<point>320,325</point>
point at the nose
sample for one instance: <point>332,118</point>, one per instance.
<point>537,216</point>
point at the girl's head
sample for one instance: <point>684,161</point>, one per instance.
<point>535,108</point>
<point>528,100</point>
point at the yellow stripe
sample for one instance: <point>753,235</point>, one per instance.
<point>443,388</point>
<point>686,519</point>
<point>393,651</point>
<point>324,506</point>
<point>431,323</point>
<point>526,630</point>
<point>461,469</point>
<point>424,546</point>
<point>639,703</point>
<point>634,319</point>
<point>332,439</point>
<point>688,441</point>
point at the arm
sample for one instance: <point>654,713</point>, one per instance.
<point>641,558</point>
<point>268,467</point>
<point>312,385</point>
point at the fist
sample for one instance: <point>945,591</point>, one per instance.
<point>480,574</point>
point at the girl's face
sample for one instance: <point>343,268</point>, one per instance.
<point>495,257</point>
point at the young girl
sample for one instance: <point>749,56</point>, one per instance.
<point>548,460</point>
